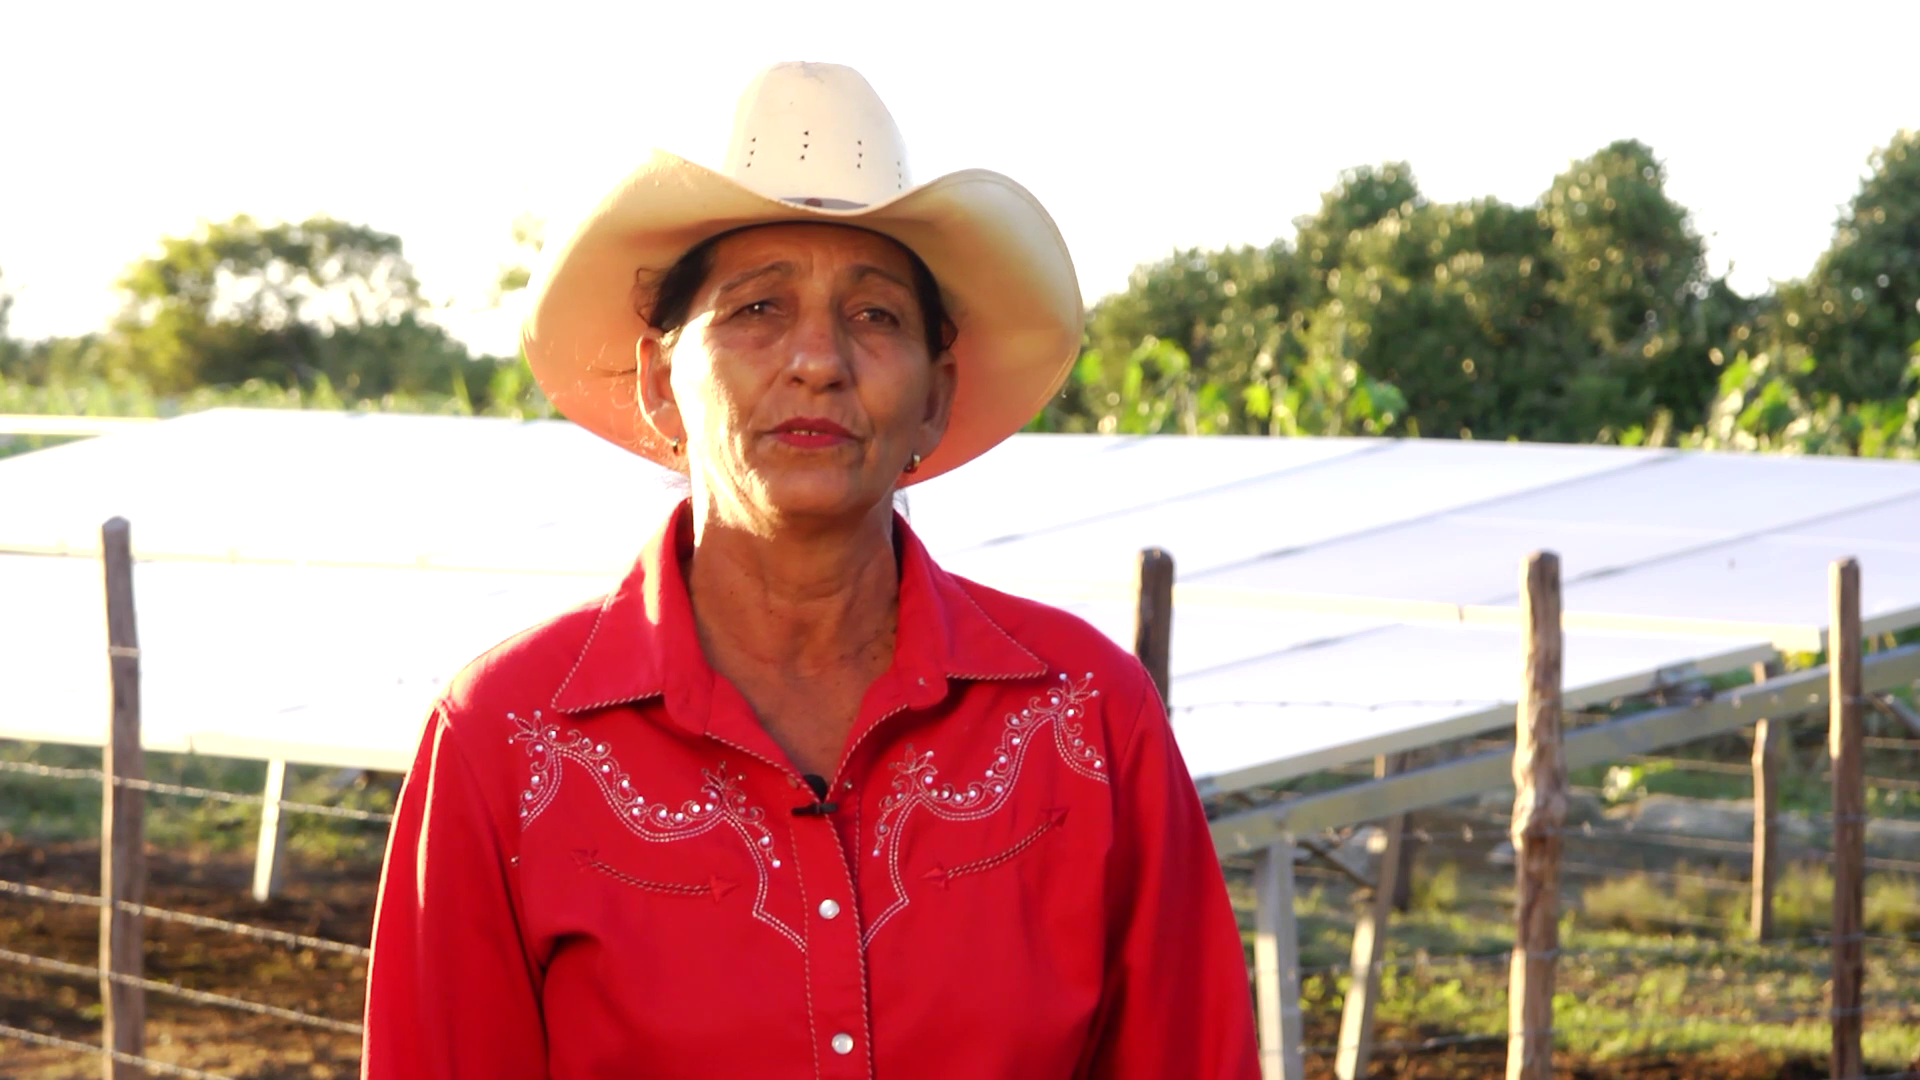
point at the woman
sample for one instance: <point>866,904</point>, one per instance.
<point>792,801</point>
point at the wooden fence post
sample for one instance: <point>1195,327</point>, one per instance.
<point>1766,809</point>
<point>1355,1048</point>
<point>123,858</point>
<point>1153,616</point>
<point>1539,810</point>
<point>1849,816</point>
<point>1276,965</point>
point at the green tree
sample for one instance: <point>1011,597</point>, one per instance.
<point>1363,197</point>
<point>1227,313</point>
<point>1586,316</point>
<point>1633,272</point>
<point>1451,304</point>
<point>1859,309</point>
<point>1148,391</point>
<point>1767,403</point>
<point>294,304</point>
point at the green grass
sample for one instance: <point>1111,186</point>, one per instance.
<point>1630,980</point>
<point>46,810</point>
<point>1802,903</point>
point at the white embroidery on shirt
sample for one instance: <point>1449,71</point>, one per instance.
<point>1061,712</point>
<point>719,803</point>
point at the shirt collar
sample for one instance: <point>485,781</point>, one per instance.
<point>643,643</point>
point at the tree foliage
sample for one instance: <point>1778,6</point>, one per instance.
<point>288,303</point>
<point>1632,273</point>
<point>1588,315</point>
<point>324,310</point>
<point>1764,403</point>
<point>1859,310</point>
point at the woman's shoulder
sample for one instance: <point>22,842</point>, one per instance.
<point>1065,642</point>
<point>525,671</point>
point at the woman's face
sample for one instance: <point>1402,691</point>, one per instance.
<point>801,382</point>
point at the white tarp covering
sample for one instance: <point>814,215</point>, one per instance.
<point>309,579</point>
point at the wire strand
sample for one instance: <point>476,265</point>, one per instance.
<point>30,768</point>
<point>203,922</point>
<point>198,997</point>
<point>53,1042</point>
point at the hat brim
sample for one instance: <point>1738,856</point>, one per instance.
<point>998,257</point>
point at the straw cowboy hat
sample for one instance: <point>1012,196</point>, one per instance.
<point>814,143</point>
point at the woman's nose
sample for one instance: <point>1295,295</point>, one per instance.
<point>819,358</point>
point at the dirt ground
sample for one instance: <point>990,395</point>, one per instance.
<point>336,902</point>
<point>326,902</point>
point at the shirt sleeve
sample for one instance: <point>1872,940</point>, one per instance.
<point>1177,1001</point>
<point>451,992</point>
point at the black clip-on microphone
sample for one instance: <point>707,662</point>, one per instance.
<point>820,807</point>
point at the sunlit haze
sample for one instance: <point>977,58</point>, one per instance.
<point>1189,124</point>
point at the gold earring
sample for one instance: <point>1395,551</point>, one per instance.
<point>675,445</point>
<point>913,464</point>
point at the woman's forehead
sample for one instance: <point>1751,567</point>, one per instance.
<point>807,248</point>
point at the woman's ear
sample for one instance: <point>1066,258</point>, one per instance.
<point>940,390</point>
<point>654,385</point>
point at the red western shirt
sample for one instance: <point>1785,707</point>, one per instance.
<point>597,870</point>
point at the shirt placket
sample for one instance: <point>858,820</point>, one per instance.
<point>836,954</point>
<point>838,1009</point>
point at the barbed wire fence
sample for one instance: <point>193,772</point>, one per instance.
<point>1469,836</point>
<point>1600,850</point>
<point>1647,909</point>
<point>267,936</point>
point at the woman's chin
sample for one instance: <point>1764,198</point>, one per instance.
<point>820,493</point>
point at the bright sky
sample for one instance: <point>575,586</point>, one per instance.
<point>1193,123</point>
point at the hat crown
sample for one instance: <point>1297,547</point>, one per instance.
<point>816,135</point>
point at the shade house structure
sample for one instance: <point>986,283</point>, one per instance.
<point>306,582</point>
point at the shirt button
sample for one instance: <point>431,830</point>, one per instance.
<point>829,909</point>
<point>843,1043</point>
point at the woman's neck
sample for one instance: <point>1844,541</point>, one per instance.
<point>797,600</point>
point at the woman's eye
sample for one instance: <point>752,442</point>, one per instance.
<point>758,307</point>
<point>879,315</point>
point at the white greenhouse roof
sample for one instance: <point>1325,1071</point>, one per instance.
<point>308,579</point>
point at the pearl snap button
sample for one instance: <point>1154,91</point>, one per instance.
<point>829,909</point>
<point>843,1043</point>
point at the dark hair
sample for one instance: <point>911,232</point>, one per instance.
<point>666,305</point>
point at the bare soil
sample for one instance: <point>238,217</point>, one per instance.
<point>324,901</point>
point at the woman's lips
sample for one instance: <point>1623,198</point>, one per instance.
<point>809,440</point>
<point>808,433</point>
